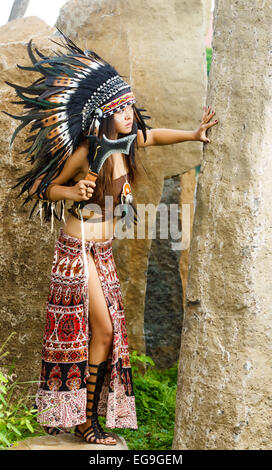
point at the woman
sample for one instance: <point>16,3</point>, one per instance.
<point>86,369</point>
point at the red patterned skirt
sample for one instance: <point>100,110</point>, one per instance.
<point>61,398</point>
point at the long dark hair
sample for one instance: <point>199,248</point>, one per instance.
<point>104,182</point>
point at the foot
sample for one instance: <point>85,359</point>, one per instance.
<point>91,438</point>
<point>53,431</point>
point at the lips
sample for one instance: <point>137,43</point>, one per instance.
<point>129,124</point>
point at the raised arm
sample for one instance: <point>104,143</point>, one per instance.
<point>164,137</point>
<point>174,136</point>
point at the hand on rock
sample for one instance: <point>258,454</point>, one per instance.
<point>205,124</point>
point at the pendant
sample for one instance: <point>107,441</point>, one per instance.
<point>128,209</point>
<point>126,194</point>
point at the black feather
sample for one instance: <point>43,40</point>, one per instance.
<point>48,154</point>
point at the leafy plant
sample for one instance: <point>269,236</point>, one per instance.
<point>17,421</point>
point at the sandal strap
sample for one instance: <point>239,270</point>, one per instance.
<point>88,409</point>
<point>52,431</point>
<point>93,431</point>
<point>78,430</point>
<point>94,419</point>
<point>101,364</point>
<point>95,394</point>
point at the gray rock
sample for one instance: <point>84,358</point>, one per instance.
<point>223,396</point>
<point>67,441</point>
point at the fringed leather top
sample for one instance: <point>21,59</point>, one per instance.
<point>117,188</point>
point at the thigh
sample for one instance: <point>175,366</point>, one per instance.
<point>99,315</point>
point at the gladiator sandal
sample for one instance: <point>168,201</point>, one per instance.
<point>54,431</point>
<point>95,431</point>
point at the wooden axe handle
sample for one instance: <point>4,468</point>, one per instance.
<point>91,176</point>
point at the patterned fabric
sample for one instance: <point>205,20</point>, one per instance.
<point>118,103</point>
<point>61,398</point>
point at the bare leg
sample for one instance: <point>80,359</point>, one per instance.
<point>102,334</point>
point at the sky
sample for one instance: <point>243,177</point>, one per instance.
<point>47,10</point>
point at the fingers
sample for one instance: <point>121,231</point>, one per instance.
<point>206,113</point>
<point>211,124</point>
<point>86,188</point>
<point>88,183</point>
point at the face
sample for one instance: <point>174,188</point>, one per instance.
<point>123,120</point>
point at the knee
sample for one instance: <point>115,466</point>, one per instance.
<point>105,338</point>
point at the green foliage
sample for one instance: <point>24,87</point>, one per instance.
<point>17,421</point>
<point>208,58</point>
<point>155,395</point>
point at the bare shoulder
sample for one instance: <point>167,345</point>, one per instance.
<point>79,158</point>
<point>80,154</point>
<point>149,138</point>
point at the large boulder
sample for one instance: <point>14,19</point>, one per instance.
<point>225,375</point>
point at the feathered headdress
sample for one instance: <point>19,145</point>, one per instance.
<point>75,92</point>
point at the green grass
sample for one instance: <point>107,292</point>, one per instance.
<point>155,394</point>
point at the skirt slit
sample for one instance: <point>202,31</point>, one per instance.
<point>61,397</point>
